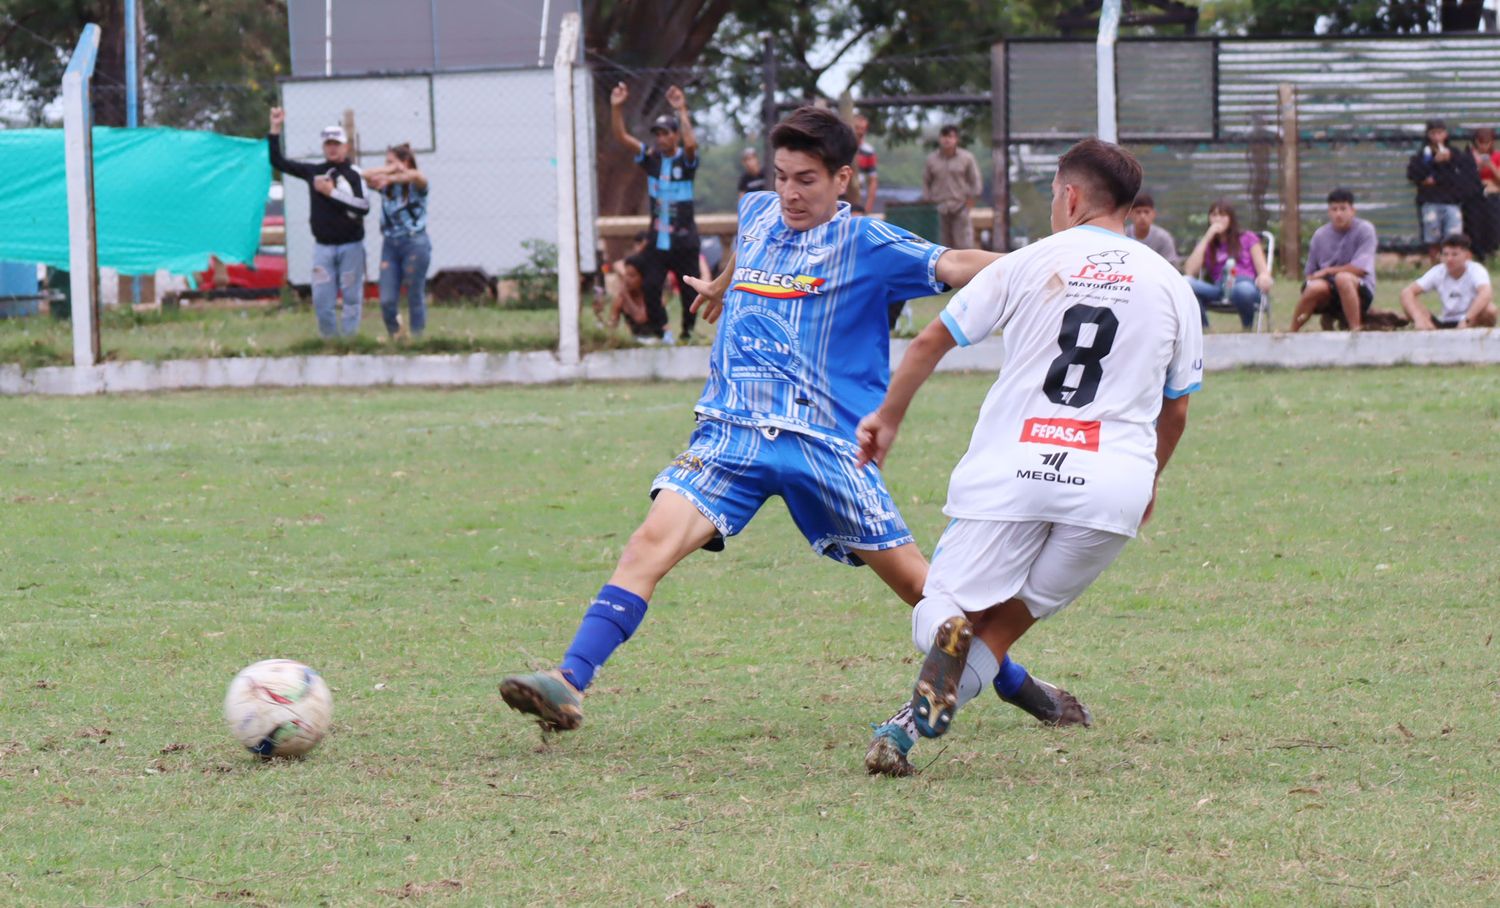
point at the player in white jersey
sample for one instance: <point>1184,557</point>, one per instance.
<point>1103,345</point>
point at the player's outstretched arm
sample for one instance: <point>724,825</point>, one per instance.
<point>877,432</point>
<point>958,266</point>
<point>1169,428</point>
<point>710,302</point>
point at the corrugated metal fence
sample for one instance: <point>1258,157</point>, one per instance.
<point>1202,115</point>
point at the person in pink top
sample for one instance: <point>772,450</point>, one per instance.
<point>1228,264</point>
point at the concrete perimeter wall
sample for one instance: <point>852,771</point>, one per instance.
<point>1221,351</point>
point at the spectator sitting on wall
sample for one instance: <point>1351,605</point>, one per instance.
<point>1142,227</point>
<point>751,177</point>
<point>1444,180</point>
<point>1462,286</point>
<point>1232,264</point>
<point>614,278</point>
<point>1340,267</point>
<point>630,301</point>
<point>670,164</point>
<point>951,181</point>
<point>1482,210</point>
<point>337,216</point>
<point>861,192</point>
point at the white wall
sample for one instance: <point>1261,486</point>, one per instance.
<point>483,139</point>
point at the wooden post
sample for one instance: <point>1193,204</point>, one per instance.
<point>1291,183</point>
<point>1000,148</point>
<point>353,134</point>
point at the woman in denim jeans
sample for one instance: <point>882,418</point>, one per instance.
<point>1233,265</point>
<point>406,251</point>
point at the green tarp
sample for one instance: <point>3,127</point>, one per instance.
<point>164,198</point>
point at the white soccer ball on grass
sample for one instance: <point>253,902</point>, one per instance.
<point>278,708</point>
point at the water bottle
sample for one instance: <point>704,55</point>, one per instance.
<point>1228,279</point>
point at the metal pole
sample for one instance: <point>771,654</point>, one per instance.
<point>768,100</point>
<point>568,296</point>
<point>541,48</point>
<point>327,37</point>
<point>1000,146</point>
<point>1104,57</point>
<point>132,73</point>
<point>132,99</point>
<point>1291,182</point>
<point>436,60</point>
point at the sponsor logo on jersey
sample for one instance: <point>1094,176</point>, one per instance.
<point>1064,433</point>
<point>1104,268</point>
<point>1054,462</point>
<point>777,286</point>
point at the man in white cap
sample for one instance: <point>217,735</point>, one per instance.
<point>337,216</point>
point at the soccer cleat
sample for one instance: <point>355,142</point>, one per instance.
<point>936,695</point>
<point>1050,704</point>
<point>555,703</point>
<point>888,750</point>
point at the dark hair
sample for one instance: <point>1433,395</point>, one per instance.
<point>1457,240</point>
<point>818,132</point>
<point>948,130</point>
<point>1341,195</point>
<point>1144,200</point>
<point>638,262</point>
<point>404,155</point>
<point>1229,240</point>
<point>1108,168</point>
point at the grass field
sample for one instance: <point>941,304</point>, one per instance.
<point>1291,671</point>
<point>291,330</point>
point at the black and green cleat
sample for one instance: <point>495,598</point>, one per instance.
<point>936,695</point>
<point>554,702</point>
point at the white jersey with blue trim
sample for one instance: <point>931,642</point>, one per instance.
<point>804,341</point>
<point>1097,329</point>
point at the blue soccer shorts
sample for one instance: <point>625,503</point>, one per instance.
<point>728,472</point>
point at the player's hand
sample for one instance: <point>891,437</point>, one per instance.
<point>709,305</point>
<point>676,98</point>
<point>323,184</point>
<point>278,117</point>
<point>619,94</point>
<point>876,434</point>
<point>1150,505</point>
<point>1263,282</point>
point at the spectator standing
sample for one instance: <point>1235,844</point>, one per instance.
<point>671,164</point>
<point>1340,267</point>
<point>1444,180</point>
<point>751,177</point>
<point>1142,227</point>
<point>1231,263</point>
<point>1463,289</point>
<point>951,181</point>
<point>861,191</point>
<point>406,251</point>
<point>1482,211</point>
<point>337,217</point>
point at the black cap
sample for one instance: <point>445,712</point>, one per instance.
<point>1436,123</point>
<point>664,123</point>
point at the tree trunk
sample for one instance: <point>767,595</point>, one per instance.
<point>638,42</point>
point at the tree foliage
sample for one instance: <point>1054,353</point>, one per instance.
<point>209,64</point>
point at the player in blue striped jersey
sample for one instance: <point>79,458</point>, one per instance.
<point>801,356</point>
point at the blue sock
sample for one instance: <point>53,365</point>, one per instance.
<point>611,619</point>
<point>1012,676</point>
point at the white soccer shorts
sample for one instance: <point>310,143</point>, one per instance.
<point>982,563</point>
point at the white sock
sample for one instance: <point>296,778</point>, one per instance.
<point>979,672</point>
<point>927,617</point>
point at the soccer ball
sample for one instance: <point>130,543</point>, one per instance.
<point>278,708</point>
